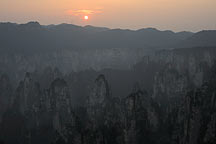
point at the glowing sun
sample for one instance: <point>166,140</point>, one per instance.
<point>86,17</point>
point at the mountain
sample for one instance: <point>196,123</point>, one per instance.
<point>27,46</point>
<point>31,46</point>
<point>167,98</point>
<point>202,38</point>
<point>73,37</point>
<point>95,29</point>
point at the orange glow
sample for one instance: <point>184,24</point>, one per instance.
<point>86,17</point>
<point>177,15</point>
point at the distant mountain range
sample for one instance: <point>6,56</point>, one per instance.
<point>26,47</point>
<point>39,37</point>
<point>202,38</point>
<point>34,35</point>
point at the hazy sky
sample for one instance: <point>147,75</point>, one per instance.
<point>176,15</point>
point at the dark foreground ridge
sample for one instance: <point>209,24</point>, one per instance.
<point>167,98</point>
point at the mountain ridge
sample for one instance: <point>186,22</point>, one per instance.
<point>72,47</point>
<point>92,26</point>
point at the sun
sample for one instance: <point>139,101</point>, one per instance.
<point>86,17</point>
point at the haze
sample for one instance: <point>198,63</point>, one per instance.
<point>177,15</point>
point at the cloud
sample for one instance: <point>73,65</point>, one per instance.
<point>82,12</point>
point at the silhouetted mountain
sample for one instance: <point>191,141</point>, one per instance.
<point>68,36</point>
<point>96,29</point>
<point>203,38</point>
<point>31,46</point>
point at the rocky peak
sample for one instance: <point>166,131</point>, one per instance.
<point>137,103</point>
<point>60,105</point>
<point>27,95</point>
<point>141,117</point>
<point>31,25</point>
<point>169,85</point>
<point>101,92</point>
<point>60,98</point>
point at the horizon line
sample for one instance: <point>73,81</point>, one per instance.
<point>117,28</point>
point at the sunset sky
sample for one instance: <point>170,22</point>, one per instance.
<point>177,15</point>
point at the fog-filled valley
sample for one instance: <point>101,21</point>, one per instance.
<point>67,84</point>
